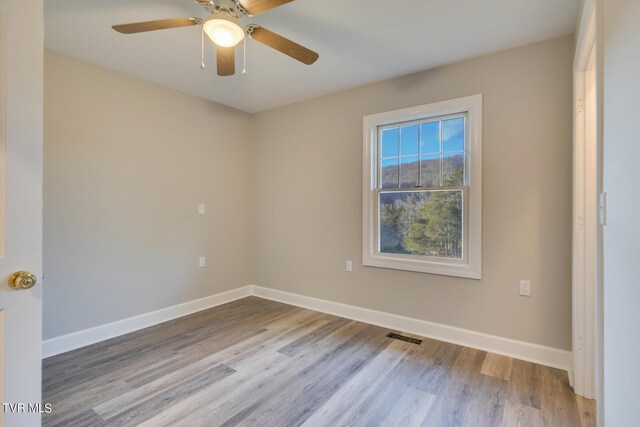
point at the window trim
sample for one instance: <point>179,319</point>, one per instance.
<point>472,266</point>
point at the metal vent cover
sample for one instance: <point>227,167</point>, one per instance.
<point>404,338</point>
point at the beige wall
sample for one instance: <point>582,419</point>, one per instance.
<point>307,186</point>
<point>126,164</point>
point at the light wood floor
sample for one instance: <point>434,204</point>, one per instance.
<point>255,362</point>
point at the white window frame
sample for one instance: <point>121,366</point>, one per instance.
<point>471,264</point>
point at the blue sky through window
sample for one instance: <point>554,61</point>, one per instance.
<point>430,137</point>
<point>409,144</point>
<point>453,134</point>
<point>390,139</point>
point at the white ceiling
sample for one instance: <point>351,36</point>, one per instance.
<point>359,42</point>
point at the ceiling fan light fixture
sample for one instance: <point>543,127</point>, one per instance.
<point>223,31</point>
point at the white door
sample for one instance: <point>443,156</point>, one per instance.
<point>21,80</point>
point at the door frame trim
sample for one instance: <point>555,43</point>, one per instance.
<point>587,185</point>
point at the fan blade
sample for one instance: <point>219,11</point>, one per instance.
<point>255,7</point>
<point>163,24</point>
<point>284,45</point>
<point>225,60</point>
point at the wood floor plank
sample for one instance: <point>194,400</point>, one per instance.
<point>140,370</point>
<point>73,405</point>
<point>559,406</point>
<point>240,355</point>
<point>266,406</point>
<point>82,419</point>
<point>238,340</point>
<point>411,409</point>
<point>331,372</point>
<point>255,362</point>
<point>434,379</point>
<point>250,347</point>
<point>518,415</point>
<point>283,338</point>
<point>467,366</point>
<point>195,410</point>
<point>289,319</point>
<point>498,366</point>
<point>219,316</point>
<point>486,403</point>
<point>314,336</point>
<point>359,387</point>
<point>152,362</point>
<point>350,349</point>
<point>123,343</point>
<point>525,384</point>
<point>381,400</point>
<point>449,408</point>
<point>587,410</point>
<point>143,351</point>
<point>144,410</point>
<point>262,373</point>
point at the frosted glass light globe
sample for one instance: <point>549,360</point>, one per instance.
<point>223,32</point>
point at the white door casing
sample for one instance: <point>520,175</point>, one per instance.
<point>587,242</point>
<point>21,117</point>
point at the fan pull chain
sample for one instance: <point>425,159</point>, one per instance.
<point>244,56</point>
<point>202,49</point>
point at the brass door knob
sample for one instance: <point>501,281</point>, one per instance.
<point>22,280</point>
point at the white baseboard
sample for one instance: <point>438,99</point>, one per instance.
<point>536,353</point>
<point>64,343</point>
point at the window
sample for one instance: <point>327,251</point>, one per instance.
<point>422,201</point>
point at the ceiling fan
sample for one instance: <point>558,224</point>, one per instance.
<point>225,30</point>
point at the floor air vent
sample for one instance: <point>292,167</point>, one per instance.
<point>403,338</point>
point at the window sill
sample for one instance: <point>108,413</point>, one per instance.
<point>466,271</point>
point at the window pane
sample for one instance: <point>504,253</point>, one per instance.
<point>409,172</point>
<point>453,169</point>
<point>421,223</point>
<point>430,138</point>
<point>453,135</point>
<point>390,142</point>
<point>397,211</point>
<point>430,171</point>
<point>409,140</point>
<point>389,173</point>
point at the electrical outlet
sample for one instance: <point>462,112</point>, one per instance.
<point>349,266</point>
<point>525,288</point>
<point>201,209</point>
<point>203,261</point>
